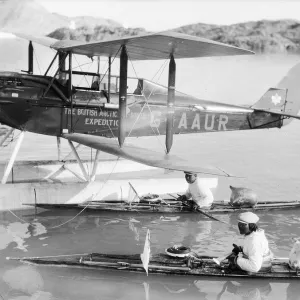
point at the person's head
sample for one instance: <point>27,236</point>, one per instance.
<point>247,222</point>
<point>190,177</point>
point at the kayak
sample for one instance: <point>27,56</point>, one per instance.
<point>201,266</point>
<point>169,206</point>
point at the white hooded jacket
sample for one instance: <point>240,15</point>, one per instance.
<point>200,193</point>
<point>255,251</point>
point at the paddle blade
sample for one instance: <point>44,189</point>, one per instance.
<point>218,260</point>
<point>145,256</point>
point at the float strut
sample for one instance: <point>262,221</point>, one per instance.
<point>79,161</point>
<point>122,95</point>
<point>13,157</point>
<point>58,147</point>
<point>95,166</point>
<point>170,104</point>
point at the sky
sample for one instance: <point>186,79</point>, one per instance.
<point>158,15</point>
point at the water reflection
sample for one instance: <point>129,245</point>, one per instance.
<point>293,291</point>
<point>91,284</point>
<point>17,232</point>
<point>258,290</point>
<point>32,283</point>
<point>25,283</point>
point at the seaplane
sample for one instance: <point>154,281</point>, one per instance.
<point>104,114</point>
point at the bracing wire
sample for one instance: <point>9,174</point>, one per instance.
<point>20,219</point>
<point>84,76</point>
<point>37,61</point>
<point>156,134</point>
<point>99,106</point>
<point>57,226</point>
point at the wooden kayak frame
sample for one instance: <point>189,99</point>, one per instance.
<point>201,266</point>
<point>168,206</point>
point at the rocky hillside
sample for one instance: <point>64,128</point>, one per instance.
<point>261,36</point>
<point>98,33</point>
<point>31,17</point>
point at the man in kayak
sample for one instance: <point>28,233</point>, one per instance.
<point>255,253</point>
<point>198,192</point>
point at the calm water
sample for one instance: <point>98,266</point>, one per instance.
<point>267,159</point>
<point>125,233</point>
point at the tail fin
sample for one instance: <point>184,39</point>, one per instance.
<point>273,100</point>
<point>285,98</point>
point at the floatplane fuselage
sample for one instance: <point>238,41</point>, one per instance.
<point>24,107</point>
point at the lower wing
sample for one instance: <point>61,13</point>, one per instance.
<point>142,155</point>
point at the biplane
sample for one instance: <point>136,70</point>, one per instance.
<point>93,116</point>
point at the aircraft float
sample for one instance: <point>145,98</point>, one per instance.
<point>94,116</point>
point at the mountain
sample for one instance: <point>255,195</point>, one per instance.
<point>98,33</point>
<point>260,36</point>
<point>31,17</point>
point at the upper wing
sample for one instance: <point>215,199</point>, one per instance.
<point>46,41</point>
<point>148,46</point>
<point>142,155</point>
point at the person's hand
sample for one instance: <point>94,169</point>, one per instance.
<point>236,249</point>
<point>232,259</point>
<point>182,198</point>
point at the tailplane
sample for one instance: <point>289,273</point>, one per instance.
<point>284,99</point>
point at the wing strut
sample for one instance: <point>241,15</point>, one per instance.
<point>109,78</point>
<point>61,61</point>
<point>30,59</point>
<point>70,89</point>
<point>123,95</point>
<point>170,105</point>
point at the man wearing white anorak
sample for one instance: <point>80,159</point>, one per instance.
<point>255,253</point>
<point>198,192</point>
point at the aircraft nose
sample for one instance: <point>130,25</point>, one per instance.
<point>10,114</point>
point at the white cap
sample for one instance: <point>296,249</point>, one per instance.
<point>248,217</point>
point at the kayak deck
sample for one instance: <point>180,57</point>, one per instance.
<point>161,264</point>
<point>169,206</point>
